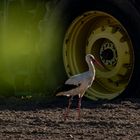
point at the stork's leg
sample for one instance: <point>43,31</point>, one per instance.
<point>68,108</point>
<point>79,106</point>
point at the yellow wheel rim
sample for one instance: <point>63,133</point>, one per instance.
<point>105,37</point>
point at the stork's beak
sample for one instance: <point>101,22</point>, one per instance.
<point>98,63</point>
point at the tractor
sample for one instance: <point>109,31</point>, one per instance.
<point>43,42</point>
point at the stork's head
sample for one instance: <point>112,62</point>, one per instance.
<point>90,57</point>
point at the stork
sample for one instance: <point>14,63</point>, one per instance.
<point>78,84</point>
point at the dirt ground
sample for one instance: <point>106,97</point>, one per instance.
<point>32,120</point>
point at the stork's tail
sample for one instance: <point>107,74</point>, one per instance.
<point>62,94</point>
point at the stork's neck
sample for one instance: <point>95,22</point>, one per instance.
<point>91,67</point>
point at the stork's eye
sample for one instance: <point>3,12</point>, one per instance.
<point>91,58</point>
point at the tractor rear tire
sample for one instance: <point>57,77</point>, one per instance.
<point>61,24</point>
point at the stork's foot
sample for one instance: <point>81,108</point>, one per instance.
<point>79,116</point>
<point>78,113</point>
<point>79,108</point>
<point>68,108</point>
<point>66,114</point>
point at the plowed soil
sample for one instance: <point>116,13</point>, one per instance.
<point>35,120</point>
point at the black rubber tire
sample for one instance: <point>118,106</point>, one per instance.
<point>66,11</point>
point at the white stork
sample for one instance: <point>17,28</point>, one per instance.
<point>78,84</point>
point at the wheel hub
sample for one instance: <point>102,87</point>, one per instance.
<point>108,54</point>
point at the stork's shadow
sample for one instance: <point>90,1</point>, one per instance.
<point>62,102</point>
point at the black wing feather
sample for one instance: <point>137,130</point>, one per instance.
<point>66,87</point>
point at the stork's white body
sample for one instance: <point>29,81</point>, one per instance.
<point>83,81</point>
